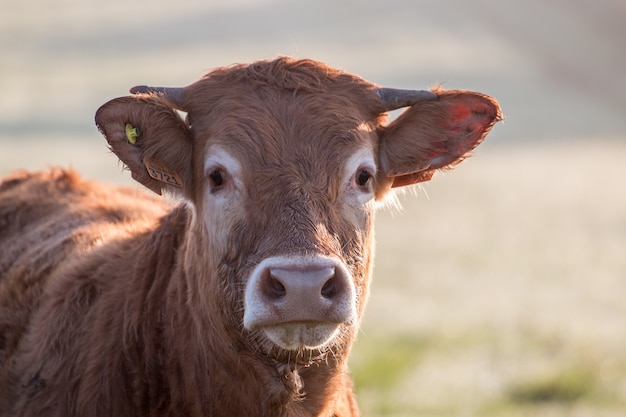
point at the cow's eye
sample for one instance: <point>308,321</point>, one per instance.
<point>363,178</point>
<point>217,178</point>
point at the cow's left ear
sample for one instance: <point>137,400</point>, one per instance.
<point>151,139</point>
<point>435,134</point>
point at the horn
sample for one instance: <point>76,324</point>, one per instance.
<point>393,98</point>
<point>174,94</point>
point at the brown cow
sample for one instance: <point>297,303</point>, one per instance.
<point>243,296</point>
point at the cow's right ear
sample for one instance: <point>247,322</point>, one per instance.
<point>151,139</point>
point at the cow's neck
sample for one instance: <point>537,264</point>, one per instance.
<point>214,371</point>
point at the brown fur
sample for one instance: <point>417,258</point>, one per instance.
<point>113,302</point>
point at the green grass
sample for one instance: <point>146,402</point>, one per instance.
<point>481,372</point>
<point>564,386</point>
<point>381,363</point>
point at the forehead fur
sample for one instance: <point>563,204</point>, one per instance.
<point>283,112</point>
<point>289,74</point>
<point>269,80</point>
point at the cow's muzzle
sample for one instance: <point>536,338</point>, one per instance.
<point>299,302</point>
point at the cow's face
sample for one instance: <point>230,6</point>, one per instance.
<point>283,163</point>
<point>287,198</point>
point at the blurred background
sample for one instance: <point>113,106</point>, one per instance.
<point>500,286</point>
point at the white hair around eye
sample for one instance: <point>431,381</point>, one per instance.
<point>359,176</point>
<point>223,191</point>
<point>222,171</point>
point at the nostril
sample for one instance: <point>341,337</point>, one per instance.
<point>330,288</point>
<point>274,289</point>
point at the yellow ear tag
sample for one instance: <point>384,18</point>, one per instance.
<point>131,133</point>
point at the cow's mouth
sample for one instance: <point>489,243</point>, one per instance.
<point>302,335</point>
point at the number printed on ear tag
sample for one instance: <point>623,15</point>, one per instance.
<point>162,175</point>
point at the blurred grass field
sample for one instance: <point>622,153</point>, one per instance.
<point>500,287</point>
<point>499,290</point>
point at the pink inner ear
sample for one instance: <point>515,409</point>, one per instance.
<point>466,133</point>
<point>459,115</point>
<point>469,120</point>
<point>471,114</point>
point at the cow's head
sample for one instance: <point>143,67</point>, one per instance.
<point>283,163</point>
